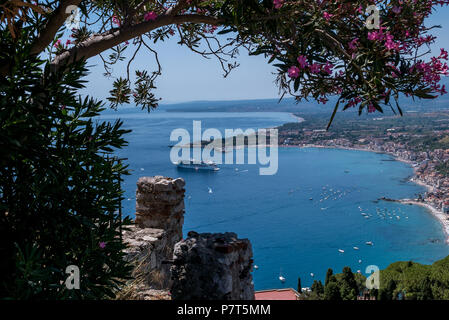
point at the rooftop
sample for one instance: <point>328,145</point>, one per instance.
<point>277,294</point>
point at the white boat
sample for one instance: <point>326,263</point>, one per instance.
<point>256,266</point>
<point>356,248</point>
<point>369,243</point>
<point>197,165</point>
<point>281,278</point>
<point>210,190</point>
<point>312,275</point>
<point>341,250</point>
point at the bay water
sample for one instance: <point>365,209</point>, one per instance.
<point>321,201</point>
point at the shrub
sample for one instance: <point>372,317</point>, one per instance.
<point>59,188</point>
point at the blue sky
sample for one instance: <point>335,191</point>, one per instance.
<point>186,76</point>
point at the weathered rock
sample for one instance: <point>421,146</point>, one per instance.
<point>212,267</point>
<point>160,203</point>
<point>159,221</point>
<point>149,249</point>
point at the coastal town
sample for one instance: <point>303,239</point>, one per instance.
<point>420,140</point>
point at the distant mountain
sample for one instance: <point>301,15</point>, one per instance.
<point>264,105</point>
<point>290,105</point>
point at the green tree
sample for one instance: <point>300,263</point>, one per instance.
<point>317,287</point>
<point>59,188</point>
<point>349,279</point>
<point>425,289</point>
<point>329,273</point>
<point>390,290</point>
<point>332,290</point>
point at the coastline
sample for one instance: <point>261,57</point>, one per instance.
<point>297,118</point>
<point>434,211</point>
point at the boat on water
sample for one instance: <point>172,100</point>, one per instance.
<point>341,250</point>
<point>356,248</point>
<point>369,243</point>
<point>197,165</point>
<point>282,279</point>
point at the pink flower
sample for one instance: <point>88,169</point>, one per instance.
<point>443,55</point>
<point>371,108</point>
<point>302,60</point>
<point>293,72</point>
<point>115,20</point>
<point>323,100</point>
<point>327,16</point>
<point>57,44</point>
<point>102,245</point>
<point>150,16</point>
<point>315,68</point>
<point>278,3</point>
<point>397,10</point>
<point>68,42</point>
<point>353,44</point>
<point>328,67</point>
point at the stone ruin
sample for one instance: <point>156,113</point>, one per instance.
<point>159,220</point>
<point>203,266</point>
<point>212,267</point>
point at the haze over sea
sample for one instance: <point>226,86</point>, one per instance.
<point>289,232</point>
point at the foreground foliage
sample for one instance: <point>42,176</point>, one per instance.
<point>415,281</point>
<point>399,281</point>
<point>59,189</point>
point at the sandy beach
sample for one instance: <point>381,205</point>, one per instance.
<point>443,218</point>
<point>299,119</point>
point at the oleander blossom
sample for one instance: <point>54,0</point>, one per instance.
<point>303,63</point>
<point>293,72</point>
<point>150,16</point>
<point>340,58</point>
<point>278,4</point>
<point>315,68</point>
<point>116,21</point>
<point>327,16</point>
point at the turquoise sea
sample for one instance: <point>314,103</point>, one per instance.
<point>320,200</point>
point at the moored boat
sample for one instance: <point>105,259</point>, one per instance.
<point>197,165</point>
